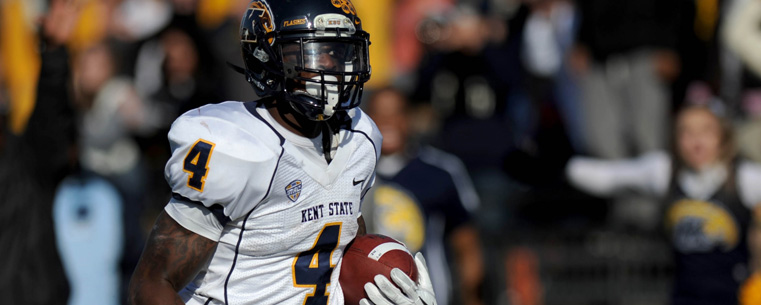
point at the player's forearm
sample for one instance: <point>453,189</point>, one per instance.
<point>171,259</point>
<point>149,284</point>
<point>147,292</point>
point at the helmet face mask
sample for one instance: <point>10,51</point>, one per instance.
<point>323,71</point>
<point>317,61</point>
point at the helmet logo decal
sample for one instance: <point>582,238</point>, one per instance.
<point>293,190</point>
<point>258,12</point>
<point>293,22</point>
<point>345,5</point>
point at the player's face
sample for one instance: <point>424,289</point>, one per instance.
<point>323,56</point>
<point>319,68</point>
<point>388,111</point>
<point>699,137</point>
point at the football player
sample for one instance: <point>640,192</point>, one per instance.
<point>267,194</point>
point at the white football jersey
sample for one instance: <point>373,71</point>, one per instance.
<point>284,216</point>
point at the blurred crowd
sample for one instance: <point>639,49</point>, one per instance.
<point>512,88</point>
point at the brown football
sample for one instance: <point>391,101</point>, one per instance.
<point>368,256</point>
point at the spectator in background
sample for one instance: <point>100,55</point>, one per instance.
<point>111,115</point>
<point>88,218</point>
<point>134,20</point>
<point>424,198</point>
<point>466,91</point>
<point>699,50</point>
<point>174,70</point>
<point>111,112</point>
<point>220,21</point>
<point>31,166</point>
<point>742,36</point>
<point>624,61</point>
<point>407,49</point>
<point>465,80</point>
<point>709,200</point>
<point>547,39</point>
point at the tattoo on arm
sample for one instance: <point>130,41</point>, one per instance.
<point>171,259</point>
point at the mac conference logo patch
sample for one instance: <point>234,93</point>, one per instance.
<point>293,190</point>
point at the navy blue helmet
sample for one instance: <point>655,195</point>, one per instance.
<point>312,54</point>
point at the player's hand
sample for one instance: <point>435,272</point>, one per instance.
<point>425,287</point>
<point>383,292</point>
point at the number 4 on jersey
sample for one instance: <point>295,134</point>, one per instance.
<point>196,164</point>
<point>312,268</point>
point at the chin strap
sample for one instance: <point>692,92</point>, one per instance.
<point>327,141</point>
<point>331,127</point>
<point>236,68</point>
<point>325,129</point>
<point>283,110</point>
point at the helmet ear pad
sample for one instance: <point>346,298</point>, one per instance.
<point>260,59</point>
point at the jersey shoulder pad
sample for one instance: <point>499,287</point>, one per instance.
<point>361,122</point>
<point>221,154</point>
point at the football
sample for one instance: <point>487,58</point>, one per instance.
<point>368,256</point>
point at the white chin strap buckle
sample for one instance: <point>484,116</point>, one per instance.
<point>331,93</point>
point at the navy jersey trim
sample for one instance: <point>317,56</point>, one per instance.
<point>375,148</point>
<point>216,209</point>
<point>235,258</point>
<point>207,301</point>
<point>362,196</point>
<point>243,226</point>
<point>251,107</point>
<point>272,179</point>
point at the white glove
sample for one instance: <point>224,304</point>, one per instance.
<point>383,292</point>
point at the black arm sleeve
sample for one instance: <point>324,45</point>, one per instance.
<point>51,131</point>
